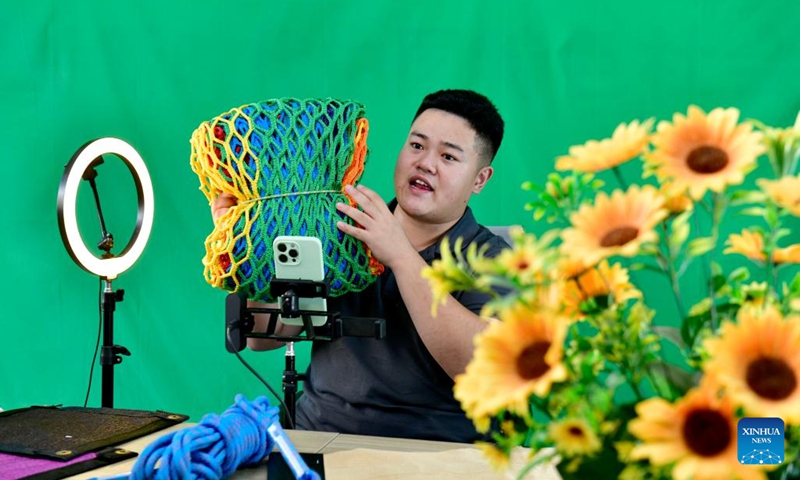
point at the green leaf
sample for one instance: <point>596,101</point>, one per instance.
<point>648,249</point>
<point>755,211</point>
<point>741,274</point>
<point>644,266</point>
<point>680,231</point>
<point>742,197</point>
<point>700,246</point>
<point>781,232</point>
<point>549,201</point>
<point>794,287</point>
<point>716,268</point>
<point>682,219</point>
<point>717,282</point>
<point>686,331</point>
<point>583,344</point>
<point>772,217</point>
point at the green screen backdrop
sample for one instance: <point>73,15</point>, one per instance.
<point>149,72</point>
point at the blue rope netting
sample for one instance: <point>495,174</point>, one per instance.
<point>286,161</point>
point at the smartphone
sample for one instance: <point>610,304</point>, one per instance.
<point>300,258</point>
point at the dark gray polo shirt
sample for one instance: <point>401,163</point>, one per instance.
<point>391,387</point>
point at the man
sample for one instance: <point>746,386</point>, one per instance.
<point>401,386</point>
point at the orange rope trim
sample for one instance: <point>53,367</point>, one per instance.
<point>353,173</point>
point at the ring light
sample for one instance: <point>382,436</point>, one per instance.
<point>108,268</point>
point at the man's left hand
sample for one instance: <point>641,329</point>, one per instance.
<point>377,226</point>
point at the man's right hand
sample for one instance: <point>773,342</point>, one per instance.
<point>221,204</point>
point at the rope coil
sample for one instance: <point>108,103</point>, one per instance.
<point>217,446</point>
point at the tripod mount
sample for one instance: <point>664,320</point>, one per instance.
<point>239,323</point>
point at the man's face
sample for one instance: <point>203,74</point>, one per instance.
<point>437,170</point>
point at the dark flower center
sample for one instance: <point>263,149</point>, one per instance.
<point>707,159</point>
<point>771,378</point>
<point>619,236</point>
<point>530,363</point>
<point>707,432</point>
<point>575,432</point>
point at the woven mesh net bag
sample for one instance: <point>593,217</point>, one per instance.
<point>286,161</point>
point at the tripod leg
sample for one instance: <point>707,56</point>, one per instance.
<point>290,385</point>
<point>107,354</point>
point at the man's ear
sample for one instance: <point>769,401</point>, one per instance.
<point>483,176</point>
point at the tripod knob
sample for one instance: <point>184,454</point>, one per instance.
<point>111,355</point>
<point>120,350</point>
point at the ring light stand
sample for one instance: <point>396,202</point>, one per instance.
<point>109,266</point>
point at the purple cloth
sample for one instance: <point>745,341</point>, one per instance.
<point>13,467</point>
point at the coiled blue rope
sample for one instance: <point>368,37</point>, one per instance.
<point>214,448</point>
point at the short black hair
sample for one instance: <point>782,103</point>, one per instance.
<point>476,109</point>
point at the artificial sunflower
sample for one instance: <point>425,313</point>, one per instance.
<point>702,152</point>
<point>446,275</point>
<point>697,433</point>
<point>785,192</point>
<point>600,281</point>
<point>753,295</point>
<point>626,143</point>
<point>751,244</point>
<point>514,358</point>
<point>574,436</point>
<point>790,254</point>
<point>757,360</point>
<point>523,261</point>
<point>616,225</point>
<point>675,201</point>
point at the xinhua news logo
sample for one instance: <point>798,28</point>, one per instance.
<point>760,441</point>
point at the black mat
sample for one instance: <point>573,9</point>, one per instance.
<point>64,433</point>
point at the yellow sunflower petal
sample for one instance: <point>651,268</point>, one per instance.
<point>700,152</point>
<point>748,243</point>
<point>785,192</point>
<point>616,225</point>
<point>626,143</point>
<point>574,436</point>
<point>513,359</point>
<point>697,433</point>
<point>758,361</point>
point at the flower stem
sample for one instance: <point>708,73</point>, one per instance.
<point>773,222</point>
<point>719,205</point>
<point>534,463</point>
<point>668,263</point>
<point>628,372</point>
<point>620,179</point>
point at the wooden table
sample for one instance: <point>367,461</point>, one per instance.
<point>356,457</point>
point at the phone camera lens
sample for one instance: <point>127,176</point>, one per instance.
<point>281,247</point>
<point>283,258</point>
<point>293,253</point>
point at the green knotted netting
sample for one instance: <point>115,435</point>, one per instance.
<point>286,162</point>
